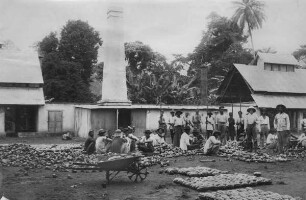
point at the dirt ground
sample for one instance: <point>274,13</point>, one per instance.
<point>288,178</point>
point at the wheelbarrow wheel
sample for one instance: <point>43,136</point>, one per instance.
<point>138,173</point>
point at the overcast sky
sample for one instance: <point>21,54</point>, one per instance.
<point>169,27</point>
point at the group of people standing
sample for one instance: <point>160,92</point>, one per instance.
<point>248,128</point>
<point>186,132</point>
<point>177,123</point>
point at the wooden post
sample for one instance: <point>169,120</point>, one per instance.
<point>117,113</point>
<point>204,82</point>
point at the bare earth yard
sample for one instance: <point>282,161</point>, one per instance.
<point>288,178</point>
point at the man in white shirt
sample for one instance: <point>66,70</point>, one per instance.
<point>251,119</point>
<point>221,122</point>
<point>146,143</point>
<point>158,137</point>
<point>185,139</point>
<point>282,126</point>
<point>102,142</point>
<point>212,145</point>
<point>210,125</point>
<point>264,122</point>
<point>178,128</point>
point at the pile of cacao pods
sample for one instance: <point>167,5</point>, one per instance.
<point>244,193</point>
<point>222,182</point>
<point>195,171</point>
<point>23,155</point>
<point>168,151</point>
<point>233,150</point>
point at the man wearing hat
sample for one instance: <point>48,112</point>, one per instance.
<point>282,126</point>
<point>222,121</point>
<point>251,120</point>
<point>210,124</point>
<point>146,143</point>
<point>213,143</point>
<point>171,124</point>
<point>158,137</point>
<point>197,121</point>
<point>178,128</point>
<point>102,142</point>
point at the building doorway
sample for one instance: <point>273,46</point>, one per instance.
<point>55,121</point>
<point>124,118</point>
<point>20,119</point>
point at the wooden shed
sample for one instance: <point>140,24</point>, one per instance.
<point>21,92</point>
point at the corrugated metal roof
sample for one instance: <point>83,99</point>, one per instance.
<point>147,106</point>
<point>273,81</point>
<point>19,67</point>
<point>21,96</point>
<point>278,58</point>
<point>271,101</point>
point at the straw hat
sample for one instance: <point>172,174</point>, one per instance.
<point>251,108</point>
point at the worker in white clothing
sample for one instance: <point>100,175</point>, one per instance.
<point>185,139</point>
<point>210,124</point>
<point>251,120</point>
<point>213,143</point>
<point>264,122</point>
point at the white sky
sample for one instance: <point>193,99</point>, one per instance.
<point>169,27</point>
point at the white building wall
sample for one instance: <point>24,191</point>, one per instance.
<point>68,116</point>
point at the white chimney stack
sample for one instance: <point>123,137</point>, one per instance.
<point>114,89</point>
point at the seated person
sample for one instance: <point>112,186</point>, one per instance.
<point>119,144</point>
<point>302,140</point>
<point>185,139</point>
<point>133,138</point>
<point>89,146</point>
<point>272,141</point>
<point>158,137</point>
<point>212,144</point>
<point>102,142</point>
<point>67,136</point>
<point>146,143</point>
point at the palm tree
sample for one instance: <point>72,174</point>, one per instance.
<point>250,13</point>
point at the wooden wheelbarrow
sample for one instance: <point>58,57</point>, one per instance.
<point>131,165</point>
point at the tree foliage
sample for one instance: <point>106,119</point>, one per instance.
<point>221,46</point>
<point>250,13</point>
<point>300,54</point>
<point>68,62</point>
<point>151,80</point>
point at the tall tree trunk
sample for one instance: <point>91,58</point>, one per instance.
<point>250,33</point>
